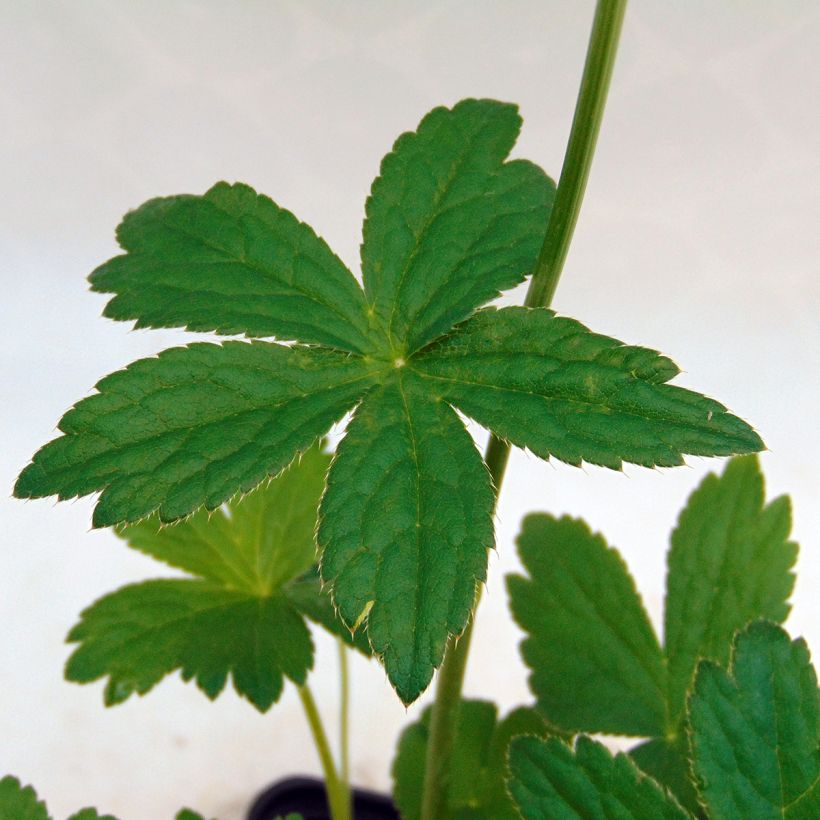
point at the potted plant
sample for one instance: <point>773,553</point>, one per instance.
<point>211,458</point>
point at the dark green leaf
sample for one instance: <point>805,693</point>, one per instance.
<point>405,525</point>
<point>90,814</point>
<point>729,564</point>
<point>595,661</point>
<point>665,764</point>
<point>449,223</point>
<point>243,616</point>
<point>549,779</point>
<point>192,427</point>
<point>477,790</point>
<point>755,730</point>
<point>18,802</point>
<point>575,395</point>
<point>234,262</point>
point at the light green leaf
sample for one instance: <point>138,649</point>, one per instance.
<point>449,222</point>
<point>18,802</point>
<point>575,395</point>
<point>187,814</point>
<point>754,730</point>
<point>192,427</point>
<point>595,661</point>
<point>669,767</point>
<point>729,564</point>
<point>550,779</point>
<point>405,525</point>
<point>477,789</point>
<point>244,616</point>
<point>143,632</point>
<point>233,262</point>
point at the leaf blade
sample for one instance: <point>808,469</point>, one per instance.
<point>405,524</point>
<point>754,729</point>
<point>595,663</point>
<point>193,427</point>
<point>729,563</point>
<point>20,802</point>
<point>576,395</point>
<point>231,261</point>
<point>550,779</point>
<point>449,224</point>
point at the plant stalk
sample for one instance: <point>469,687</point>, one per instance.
<point>337,793</point>
<point>586,123</point>
<point>344,718</point>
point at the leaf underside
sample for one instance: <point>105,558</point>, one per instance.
<point>548,778</point>
<point>754,729</point>
<point>477,789</point>
<point>450,223</point>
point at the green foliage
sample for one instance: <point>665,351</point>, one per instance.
<point>548,778</point>
<point>18,802</point>
<point>244,613</point>
<point>450,223</point>
<point>576,395</point>
<point>595,663</point>
<point>755,739</point>
<point>477,790</point>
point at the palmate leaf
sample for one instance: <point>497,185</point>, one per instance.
<point>243,615</point>
<point>548,778</point>
<point>18,802</point>
<point>450,223</point>
<point>596,663</point>
<point>476,786</point>
<point>754,730</point>
<point>594,660</point>
<point>404,528</point>
<point>234,262</point>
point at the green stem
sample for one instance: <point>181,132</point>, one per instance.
<point>337,796</point>
<point>344,713</point>
<point>586,123</point>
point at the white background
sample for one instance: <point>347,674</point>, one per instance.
<point>698,237</point>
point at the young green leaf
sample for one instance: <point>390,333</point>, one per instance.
<point>18,802</point>
<point>476,786</point>
<point>595,661</point>
<point>550,779</point>
<point>240,617</point>
<point>575,395</point>
<point>192,427</point>
<point>449,223</point>
<point>405,525</point>
<point>754,729</point>
<point>729,563</point>
<point>233,262</point>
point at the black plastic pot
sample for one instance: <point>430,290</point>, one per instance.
<point>306,796</point>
